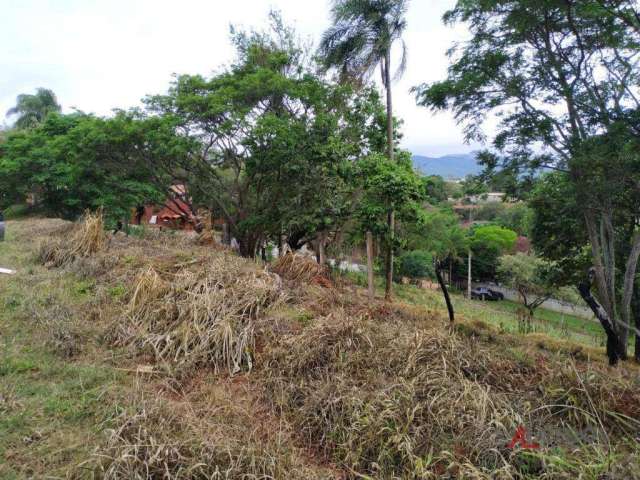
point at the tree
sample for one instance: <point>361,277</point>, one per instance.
<point>560,74</point>
<point>438,232</point>
<point>487,243</point>
<point>527,275</point>
<point>436,189</point>
<point>360,39</point>
<point>384,185</point>
<point>78,161</point>
<point>33,109</point>
<point>275,144</point>
<point>516,217</point>
<point>416,264</point>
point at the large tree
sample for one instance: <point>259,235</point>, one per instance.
<point>77,162</point>
<point>561,74</point>
<point>361,39</point>
<point>275,142</point>
<point>33,109</point>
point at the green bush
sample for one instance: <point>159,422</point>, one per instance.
<point>416,264</point>
<point>16,211</point>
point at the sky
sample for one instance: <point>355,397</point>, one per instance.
<point>98,55</point>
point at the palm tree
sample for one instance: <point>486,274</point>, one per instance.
<point>360,39</point>
<point>33,109</point>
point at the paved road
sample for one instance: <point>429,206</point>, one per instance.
<point>551,304</point>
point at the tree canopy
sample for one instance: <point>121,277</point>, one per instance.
<point>564,79</point>
<point>77,162</point>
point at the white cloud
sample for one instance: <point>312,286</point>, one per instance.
<point>101,55</point>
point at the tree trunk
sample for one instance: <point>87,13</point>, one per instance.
<point>445,292</point>
<point>636,314</point>
<point>613,344</point>
<point>388,290</point>
<point>322,240</point>
<point>371,286</point>
<point>599,271</point>
<point>628,284</point>
<point>469,277</point>
<point>248,246</point>
<point>226,234</point>
<point>280,245</point>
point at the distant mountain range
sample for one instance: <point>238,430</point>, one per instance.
<point>449,166</point>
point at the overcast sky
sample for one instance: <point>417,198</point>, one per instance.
<point>98,55</point>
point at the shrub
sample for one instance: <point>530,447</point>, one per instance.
<point>416,264</point>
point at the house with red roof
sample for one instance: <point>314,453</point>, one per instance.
<point>176,213</point>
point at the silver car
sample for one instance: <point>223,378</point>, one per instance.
<point>1,227</point>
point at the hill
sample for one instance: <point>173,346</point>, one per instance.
<point>159,355</point>
<point>448,166</point>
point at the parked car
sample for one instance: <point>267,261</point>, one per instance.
<point>1,227</point>
<point>483,293</point>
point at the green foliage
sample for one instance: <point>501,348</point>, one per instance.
<point>489,212</point>
<point>77,162</point>
<point>436,189</point>
<point>277,143</point>
<point>528,275</point>
<point>387,185</point>
<point>517,217</point>
<point>514,216</point>
<point>557,227</point>
<point>474,186</point>
<point>495,237</point>
<point>487,244</point>
<point>439,233</point>
<point>416,264</point>
<point>453,190</point>
<point>545,89</point>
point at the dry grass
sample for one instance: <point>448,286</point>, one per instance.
<point>87,239</point>
<point>301,269</point>
<point>380,390</point>
<point>154,442</point>
<point>207,238</point>
<point>62,334</point>
<point>200,314</point>
<point>403,400</point>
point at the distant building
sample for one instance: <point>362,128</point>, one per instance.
<point>176,213</point>
<point>491,197</point>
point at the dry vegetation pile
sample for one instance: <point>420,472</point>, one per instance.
<point>380,390</point>
<point>202,314</point>
<point>301,270</point>
<point>392,399</point>
<point>88,237</point>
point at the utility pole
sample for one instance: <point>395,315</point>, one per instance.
<point>371,289</point>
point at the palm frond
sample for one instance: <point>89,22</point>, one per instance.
<point>362,33</point>
<point>33,109</point>
<point>402,67</point>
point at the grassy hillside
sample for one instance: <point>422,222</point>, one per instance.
<point>165,357</point>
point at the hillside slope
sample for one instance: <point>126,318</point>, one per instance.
<point>159,357</point>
